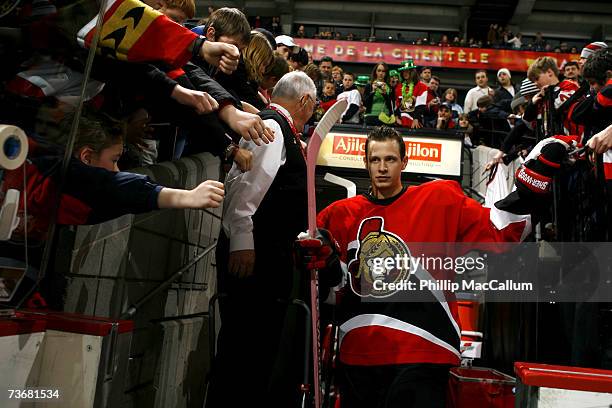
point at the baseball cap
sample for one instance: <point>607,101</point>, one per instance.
<point>288,42</point>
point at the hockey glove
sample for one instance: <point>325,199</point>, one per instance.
<point>321,252</point>
<point>533,179</point>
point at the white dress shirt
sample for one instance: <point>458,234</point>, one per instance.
<point>472,97</point>
<point>353,97</point>
<point>245,191</point>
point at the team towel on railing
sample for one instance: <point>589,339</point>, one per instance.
<point>133,31</point>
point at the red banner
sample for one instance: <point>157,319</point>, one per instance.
<point>426,55</point>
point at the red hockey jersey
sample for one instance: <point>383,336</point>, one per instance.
<point>414,107</point>
<point>563,91</point>
<point>387,332</point>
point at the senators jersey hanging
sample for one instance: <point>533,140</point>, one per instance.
<point>375,332</point>
<point>563,91</point>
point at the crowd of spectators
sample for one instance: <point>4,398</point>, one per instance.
<point>178,102</point>
<point>414,97</point>
<point>498,36</point>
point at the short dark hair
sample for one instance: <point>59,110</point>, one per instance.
<point>349,73</point>
<point>424,68</point>
<point>484,101</point>
<point>481,70</point>
<point>435,78</point>
<point>230,22</point>
<point>278,68</point>
<point>571,64</point>
<point>382,133</point>
<point>326,58</point>
<point>301,57</point>
<point>598,65</point>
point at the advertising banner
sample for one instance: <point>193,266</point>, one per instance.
<point>426,155</point>
<point>426,55</point>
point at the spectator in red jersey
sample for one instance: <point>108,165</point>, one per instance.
<point>444,119</point>
<point>328,97</point>
<point>410,97</point>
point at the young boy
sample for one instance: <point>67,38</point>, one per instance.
<point>353,97</point>
<point>329,95</point>
<point>550,103</point>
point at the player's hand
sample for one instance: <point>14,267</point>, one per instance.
<point>241,263</point>
<point>321,252</point>
<point>222,55</point>
<point>317,252</point>
<point>198,100</point>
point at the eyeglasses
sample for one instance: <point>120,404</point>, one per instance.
<point>315,101</point>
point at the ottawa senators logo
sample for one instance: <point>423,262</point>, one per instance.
<point>366,266</point>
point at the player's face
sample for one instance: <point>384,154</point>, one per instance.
<point>385,167</point>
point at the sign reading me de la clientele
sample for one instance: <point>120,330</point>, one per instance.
<point>426,55</point>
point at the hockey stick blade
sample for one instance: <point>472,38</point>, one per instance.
<point>351,188</point>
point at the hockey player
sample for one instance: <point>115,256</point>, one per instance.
<point>397,354</point>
